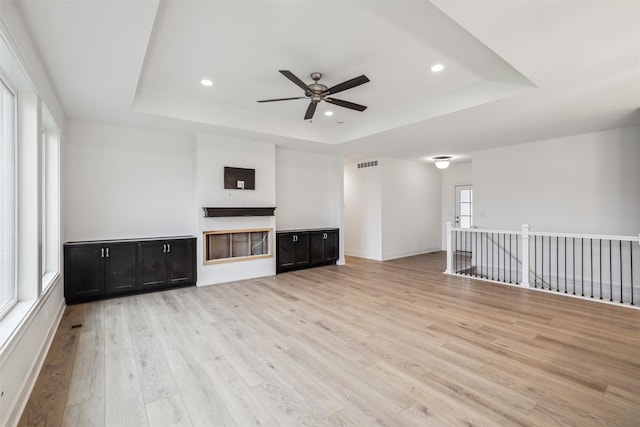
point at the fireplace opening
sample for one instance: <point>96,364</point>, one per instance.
<point>236,245</point>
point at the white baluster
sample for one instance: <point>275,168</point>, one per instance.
<point>449,249</point>
<point>525,255</point>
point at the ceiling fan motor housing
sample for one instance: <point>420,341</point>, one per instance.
<point>316,88</point>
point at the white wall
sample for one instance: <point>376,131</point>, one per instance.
<point>411,209</point>
<point>363,211</point>
<point>213,153</point>
<point>456,174</point>
<point>392,210</point>
<point>309,191</point>
<point>123,182</point>
<point>587,183</point>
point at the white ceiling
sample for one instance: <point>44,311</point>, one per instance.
<point>516,71</point>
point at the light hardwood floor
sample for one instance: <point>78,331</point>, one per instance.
<point>393,343</point>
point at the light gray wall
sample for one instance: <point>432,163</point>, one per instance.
<point>392,210</point>
<point>363,211</point>
<point>309,191</point>
<point>587,183</point>
<point>411,208</point>
<point>122,182</point>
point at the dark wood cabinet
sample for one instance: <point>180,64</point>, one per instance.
<point>306,248</point>
<point>120,267</point>
<point>293,250</point>
<point>102,269</point>
<point>92,270</point>
<point>84,271</point>
<point>166,263</point>
<point>324,246</point>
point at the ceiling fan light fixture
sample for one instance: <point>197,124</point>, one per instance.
<point>442,162</point>
<point>436,68</point>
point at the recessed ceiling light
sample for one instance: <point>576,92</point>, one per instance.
<point>436,68</point>
<point>328,113</point>
<point>206,82</point>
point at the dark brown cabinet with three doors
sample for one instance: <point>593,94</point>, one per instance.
<point>306,248</point>
<point>103,269</point>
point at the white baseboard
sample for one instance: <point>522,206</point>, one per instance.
<point>404,254</point>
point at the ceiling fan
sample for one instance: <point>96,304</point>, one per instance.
<point>317,92</point>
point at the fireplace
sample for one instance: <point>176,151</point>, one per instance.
<point>236,245</point>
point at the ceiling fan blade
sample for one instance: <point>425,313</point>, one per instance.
<point>346,104</point>
<point>310,110</point>
<point>281,99</point>
<point>294,79</point>
<point>356,81</point>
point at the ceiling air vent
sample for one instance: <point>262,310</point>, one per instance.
<point>368,164</point>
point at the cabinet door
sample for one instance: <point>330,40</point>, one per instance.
<point>285,253</point>
<point>84,272</point>
<point>152,263</point>
<point>331,245</point>
<point>317,246</point>
<point>301,252</point>
<point>180,254</point>
<point>120,267</point>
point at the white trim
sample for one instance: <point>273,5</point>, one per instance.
<point>11,304</point>
<point>403,254</point>
<point>13,325</point>
<point>585,236</point>
<point>553,234</point>
<point>485,230</point>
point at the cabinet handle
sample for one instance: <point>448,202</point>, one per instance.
<point>324,236</point>
<point>295,237</point>
<point>164,248</point>
<point>168,247</point>
<point>101,252</point>
<point>107,252</point>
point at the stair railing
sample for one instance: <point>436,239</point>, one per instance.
<point>589,266</point>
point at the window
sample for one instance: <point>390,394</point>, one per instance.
<point>50,189</point>
<point>464,206</point>
<point>8,285</point>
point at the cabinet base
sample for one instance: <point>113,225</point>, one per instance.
<point>80,300</point>
<point>280,269</point>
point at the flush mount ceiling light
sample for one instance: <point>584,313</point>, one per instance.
<point>437,67</point>
<point>206,82</point>
<point>442,162</point>
<point>328,113</point>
